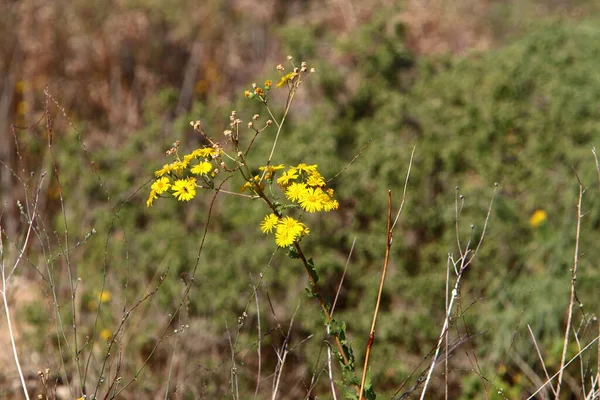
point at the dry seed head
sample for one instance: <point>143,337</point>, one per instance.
<point>312,70</point>
<point>289,58</point>
<point>255,117</point>
<point>250,124</point>
<point>254,85</point>
<point>269,122</point>
<point>227,133</point>
<point>280,68</point>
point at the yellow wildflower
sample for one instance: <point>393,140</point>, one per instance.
<point>309,169</point>
<point>201,169</point>
<point>161,185</point>
<point>166,169</point>
<point>286,177</point>
<point>269,223</point>
<point>104,296</point>
<point>288,230</point>
<point>286,78</point>
<point>105,334</point>
<point>295,191</point>
<point>184,189</point>
<point>151,198</point>
<point>271,170</point>
<point>315,180</point>
<point>312,200</point>
<point>537,218</point>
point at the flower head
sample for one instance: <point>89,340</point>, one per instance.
<point>201,169</point>
<point>184,189</point>
<point>161,185</point>
<point>288,231</point>
<point>312,199</point>
<point>269,223</point>
<point>286,177</point>
<point>167,168</point>
<point>295,191</point>
<point>151,198</point>
<point>537,218</point>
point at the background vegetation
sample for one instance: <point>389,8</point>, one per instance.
<point>486,91</point>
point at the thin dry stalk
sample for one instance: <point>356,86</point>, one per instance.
<point>565,366</point>
<point>5,278</point>
<point>234,376</point>
<point>466,258</point>
<point>388,247</point>
<point>282,355</point>
<point>598,355</point>
<point>573,292</point>
<point>259,345</point>
<point>537,348</point>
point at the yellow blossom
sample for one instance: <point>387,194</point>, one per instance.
<point>151,198</point>
<point>286,78</point>
<point>295,191</point>
<point>537,218</point>
<point>105,334</point>
<point>286,177</point>
<point>271,170</point>
<point>166,169</point>
<point>104,296</point>
<point>302,167</point>
<point>161,185</point>
<point>312,200</point>
<point>201,169</point>
<point>315,180</point>
<point>269,223</point>
<point>184,189</point>
<point>288,230</point>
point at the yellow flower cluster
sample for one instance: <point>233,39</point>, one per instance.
<point>287,229</point>
<point>304,185</point>
<point>174,177</point>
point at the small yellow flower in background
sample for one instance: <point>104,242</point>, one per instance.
<point>269,223</point>
<point>202,169</point>
<point>161,185</point>
<point>151,198</point>
<point>286,177</point>
<point>105,296</point>
<point>184,189</point>
<point>537,218</point>
<point>105,334</point>
<point>295,191</point>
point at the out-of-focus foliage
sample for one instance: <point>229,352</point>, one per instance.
<point>524,115</point>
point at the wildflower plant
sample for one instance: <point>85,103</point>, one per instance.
<point>288,191</point>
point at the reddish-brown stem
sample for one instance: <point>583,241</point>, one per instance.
<point>388,247</point>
